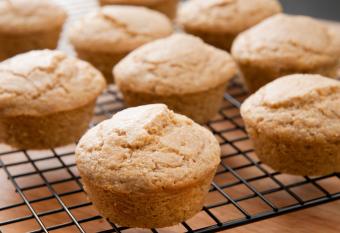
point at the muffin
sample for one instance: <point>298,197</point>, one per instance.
<point>218,22</point>
<point>29,25</point>
<point>294,123</point>
<point>104,37</point>
<point>147,166</point>
<point>180,71</point>
<point>167,7</point>
<point>283,45</point>
<point>335,33</point>
<point>46,99</point>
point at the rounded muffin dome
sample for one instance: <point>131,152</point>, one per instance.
<point>22,16</point>
<point>178,64</point>
<point>42,82</point>
<point>305,106</point>
<point>119,29</point>
<point>294,123</point>
<point>285,40</point>
<point>225,16</point>
<point>133,2</point>
<point>147,148</point>
<point>147,166</point>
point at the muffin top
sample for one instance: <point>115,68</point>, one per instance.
<point>22,16</point>
<point>134,2</point>
<point>44,82</point>
<point>296,41</point>
<point>119,29</point>
<point>179,64</point>
<point>296,106</point>
<point>225,16</point>
<point>147,148</point>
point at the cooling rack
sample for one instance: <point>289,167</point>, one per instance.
<point>47,193</point>
<point>243,191</point>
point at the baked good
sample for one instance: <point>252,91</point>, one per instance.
<point>104,37</point>
<point>218,22</point>
<point>294,123</point>
<point>335,33</point>
<point>46,99</point>
<point>181,71</point>
<point>283,45</point>
<point>167,7</point>
<point>147,166</point>
<point>29,25</point>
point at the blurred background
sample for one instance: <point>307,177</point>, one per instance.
<point>326,9</point>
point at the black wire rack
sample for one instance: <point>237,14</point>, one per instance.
<point>46,193</point>
<point>244,190</point>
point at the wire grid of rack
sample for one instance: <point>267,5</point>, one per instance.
<point>243,191</point>
<point>47,193</point>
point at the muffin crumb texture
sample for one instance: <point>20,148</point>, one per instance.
<point>120,29</point>
<point>46,81</point>
<point>294,123</point>
<point>46,98</point>
<point>147,166</point>
<point>218,22</point>
<point>29,25</point>
<point>228,16</point>
<point>180,71</point>
<point>104,37</point>
<point>179,64</point>
<point>167,7</point>
<point>283,45</point>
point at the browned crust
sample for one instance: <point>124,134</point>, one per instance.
<point>257,75</point>
<point>150,210</point>
<point>200,106</point>
<point>57,129</point>
<point>104,62</point>
<point>13,44</point>
<point>298,157</point>
<point>167,7</point>
<point>219,40</point>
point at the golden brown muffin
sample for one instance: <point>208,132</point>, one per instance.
<point>218,22</point>
<point>148,166</point>
<point>294,123</point>
<point>29,25</point>
<point>181,71</point>
<point>46,99</point>
<point>104,37</point>
<point>283,45</point>
<point>167,7</point>
<point>334,31</point>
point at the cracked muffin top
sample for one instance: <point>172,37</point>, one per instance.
<point>178,64</point>
<point>294,41</point>
<point>119,29</point>
<point>22,16</point>
<point>43,82</point>
<point>225,16</point>
<point>296,106</point>
<point>134,2</point>
<point>147,148</point>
